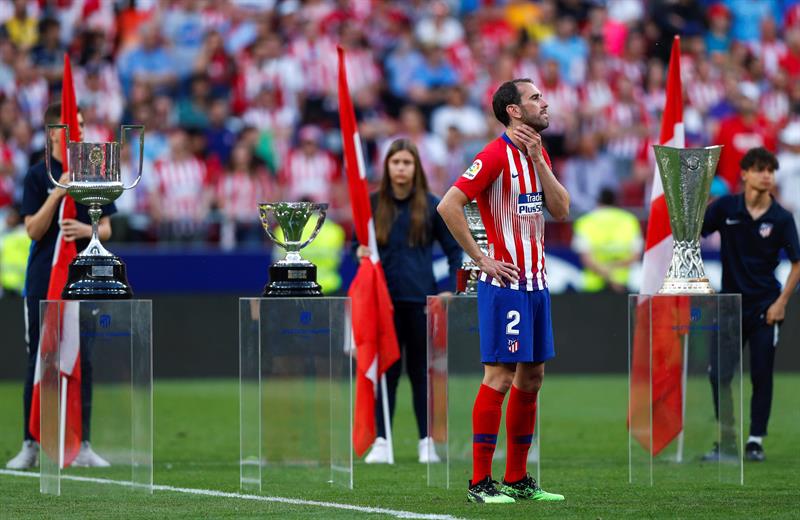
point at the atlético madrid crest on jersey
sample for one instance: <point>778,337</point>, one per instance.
<point>765,229</point>
<point>513,345</point>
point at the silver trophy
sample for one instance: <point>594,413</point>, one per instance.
<point>469,273</point>
<point>94,181</point>
<point>293,275</point>
<point>686,175</point>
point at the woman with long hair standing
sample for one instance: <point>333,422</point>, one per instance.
<point>406,226</point>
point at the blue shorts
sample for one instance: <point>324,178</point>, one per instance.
<point>515,326</point>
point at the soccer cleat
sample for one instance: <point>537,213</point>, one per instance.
<point>485,492</point>
<point>27,457</point>
<point>379,453</point>
<point>427,451</point>
<point>754,452</point>
<point>87,458</point>
<point>528,489</point>
<point>726,453</point>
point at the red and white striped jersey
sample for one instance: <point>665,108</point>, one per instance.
<point>281,118</point>
<point>506,186</point>
<point>563,101</point>
<point>180,185</point>
<point>283,75</point>
<point>362,71</point>
<point>309,176</point>
<point>703,95</point>
<point>238,194</point>
<point>775,105</point>
<point>770,53</point>
<point>317,59</point>
<point>627,121</point>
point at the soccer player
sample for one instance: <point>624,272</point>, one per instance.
<point>754,228</point>
<point>40,208</point>
<point>513,182</point>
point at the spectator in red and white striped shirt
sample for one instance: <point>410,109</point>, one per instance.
<point>244,184</point>
<point>309,170</point>
<point>180,197</point>
<point>627,129</point>
<point>564,103</point>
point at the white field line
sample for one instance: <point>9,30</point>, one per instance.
<point>259,498</point>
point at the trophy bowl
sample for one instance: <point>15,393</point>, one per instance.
<point>686,175</point>
<point>293,276</point>
<point>95,180</point>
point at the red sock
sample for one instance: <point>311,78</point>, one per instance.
<point>520,421</point>
<point>485,424</point>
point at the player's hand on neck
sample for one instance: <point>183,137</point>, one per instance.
<point>526,138</point>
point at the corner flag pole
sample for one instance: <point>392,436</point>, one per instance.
<point>679,455</point>
<point>62,427</point>
<point>387,423</point>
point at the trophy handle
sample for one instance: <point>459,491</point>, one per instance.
<point>323,211</point>
<point>122,131</point>
<point>266,225</point>
<point>48,146</point>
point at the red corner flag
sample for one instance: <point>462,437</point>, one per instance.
<point>666,362</point>
<point>372,311</point>
<point>64,253</point>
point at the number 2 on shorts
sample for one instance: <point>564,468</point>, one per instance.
<point>513,321</point>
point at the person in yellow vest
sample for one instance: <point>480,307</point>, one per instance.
<point>608,240</point>
<point>14,247</point>
<point>22,28</point>
<point>325,251</point>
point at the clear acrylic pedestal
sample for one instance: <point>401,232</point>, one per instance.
<point>96,385</point>
<point>685,389</point>
<point>295,369</point>
<point>455,373</point>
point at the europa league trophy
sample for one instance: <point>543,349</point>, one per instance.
<point>293,276</point>
<point>95,180</point>
<point>468,275</point>
<point>686,175</point>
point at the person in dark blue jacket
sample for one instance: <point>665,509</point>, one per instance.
<point>754,229</point>
<point>406,226</point>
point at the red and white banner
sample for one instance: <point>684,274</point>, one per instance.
<point>372,311</point>
<point>657,361</point>
<point>66,319</point>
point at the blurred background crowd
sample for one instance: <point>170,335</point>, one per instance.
<point>239,96</point>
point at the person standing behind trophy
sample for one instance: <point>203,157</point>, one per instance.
<point>513,182</point>
<point>41,202</point>
<point>406,225</point>
<point>754,228</point>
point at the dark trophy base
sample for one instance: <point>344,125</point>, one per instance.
<point>97,278</point>
<point>292,281</point>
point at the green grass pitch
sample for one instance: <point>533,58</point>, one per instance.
<point>584,456</point>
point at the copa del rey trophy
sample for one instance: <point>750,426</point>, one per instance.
<point>293,276</point>
<point>686,175</point>
<point>468,275</point>
<point>95,180</point>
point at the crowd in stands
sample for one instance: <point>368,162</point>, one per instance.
<point>239,96</point>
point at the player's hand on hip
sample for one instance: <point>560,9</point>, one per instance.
<point>74,230</point>
<point>501,271</point>
<point>531,139</point>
